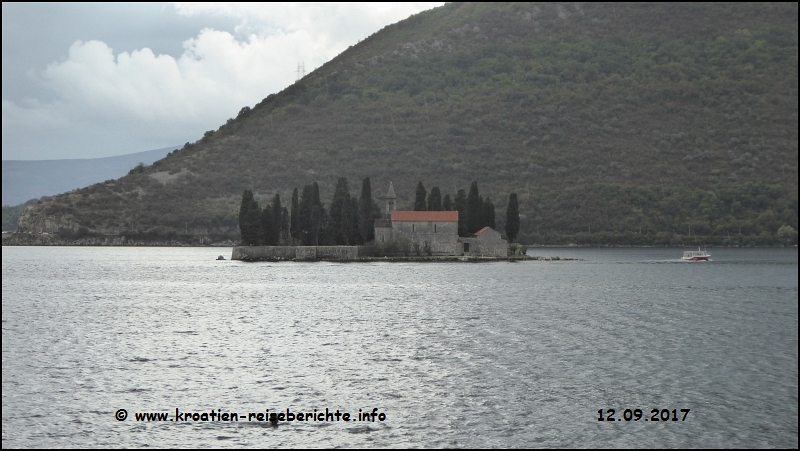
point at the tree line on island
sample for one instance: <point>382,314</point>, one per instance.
<point>350,220</point>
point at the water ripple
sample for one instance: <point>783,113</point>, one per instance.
<point>494,355</point>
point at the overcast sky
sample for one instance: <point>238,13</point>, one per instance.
<point>97,80</point>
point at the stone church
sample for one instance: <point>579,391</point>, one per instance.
<point>435,232</point>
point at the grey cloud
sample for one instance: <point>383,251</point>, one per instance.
<point>94,80</point>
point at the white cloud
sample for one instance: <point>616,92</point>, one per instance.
<point>113,103</point>
<point>340,21</point>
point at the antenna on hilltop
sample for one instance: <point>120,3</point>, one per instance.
<point>301,70</point>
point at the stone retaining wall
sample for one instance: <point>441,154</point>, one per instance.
<point>270,253</point>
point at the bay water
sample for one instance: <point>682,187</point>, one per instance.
<point>526,354</point>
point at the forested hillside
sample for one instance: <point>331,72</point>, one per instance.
<point>632,123</point>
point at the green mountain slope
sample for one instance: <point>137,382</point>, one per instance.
<point>650,123</point>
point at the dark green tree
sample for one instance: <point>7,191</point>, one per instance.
<point>474,211</point>
<point>366,216</point>
<point>435,199</point>
<point>447,204</point>
<point>294,222</point>
<point>419,198</point>
<point>341,215</point>
<point>512,218</point>
<point>277,218</point>
<point>250,220</point>
<point>322,223</point>
<point>488,213</point>
<point>315,196</point>
<point>316,221</point>
<point>481,217</point>
<point>285,226</point>
<point>347,225</point>
<point>355,218</point>
<point>267,225</point>
<point>460,205</point>
<point>309,233</point>
<point>304,216</point>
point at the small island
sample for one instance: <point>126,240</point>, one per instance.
<point>360,254</point>
<point>434,231</point>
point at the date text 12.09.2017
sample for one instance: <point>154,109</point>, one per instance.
<point>636,415</point>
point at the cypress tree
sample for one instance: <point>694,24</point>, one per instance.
<point>447,204</point>
<point>341,216</point>
<point>322,223</point>
<point>355,227</point>
<point>285,226</point>
<point>276,217</point>
<point>419,201</point>
<point>316,220</point>
<point>474,209</point>
<point>488,213</point>
<point>250,220</point>
<point>346,226</point>
<point>310,232</point>
<point>512,218</point>
<point>267,225</point>
<point>304,216</point>
<point>460,205</point>
<point>295,222</point>
<point>315,199</point>
<point>435,199</point>
<point>366,224</point>
<point>323,230</point>
<point>481,218</point>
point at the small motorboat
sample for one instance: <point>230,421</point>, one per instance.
<point>696,256</point>
<point>220,258</point>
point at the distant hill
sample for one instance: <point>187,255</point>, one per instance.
<point>24,180</point>
<point>616,123</point>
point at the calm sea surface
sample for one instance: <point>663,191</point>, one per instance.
<point>454,354</point>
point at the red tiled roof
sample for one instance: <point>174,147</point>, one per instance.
<point>482,230</point>
<point>423,216</point>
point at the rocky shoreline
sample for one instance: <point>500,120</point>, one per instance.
<point>30,239</point>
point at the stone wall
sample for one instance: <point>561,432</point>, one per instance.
<point>255,253</point>
<point>491,244</point>
<point>439,237</point>
<point>304,252</point>
<point>488,243</point>
<point>462,248</point>
<point>272,253</point>
<point>383,234</point>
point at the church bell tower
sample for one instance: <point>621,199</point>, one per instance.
<point>391,197</point>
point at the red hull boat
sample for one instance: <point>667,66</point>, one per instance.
<point>696,256</point>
